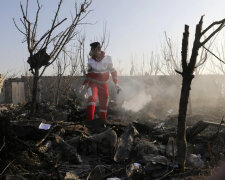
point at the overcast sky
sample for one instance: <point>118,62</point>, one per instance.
<point>136,26</point>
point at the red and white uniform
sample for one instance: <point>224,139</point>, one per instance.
<point>97,80</point>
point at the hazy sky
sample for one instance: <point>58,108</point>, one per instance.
<point>136,26</point>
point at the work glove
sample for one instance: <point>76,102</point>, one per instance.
<point>118,88</point>
<point>83,87</point>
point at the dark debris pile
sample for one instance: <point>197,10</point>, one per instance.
<point>131,146</point>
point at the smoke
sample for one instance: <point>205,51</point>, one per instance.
<point>135,95</point>
<point>137,102</point>
<point>160,95</point>
<point>155,95</point>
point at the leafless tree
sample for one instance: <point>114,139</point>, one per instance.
<point>151,65</point>
<point>104,37</point>
<point>137,69</point>
<point>170,57</point>
<point>204,55</point>
<point>187,74</point>
<point>62,64</point>
<point>76,68</point>
<point>154,64</point>
<point>119,68</point>
<point>81,51</point>
<point>133,67</point>
<point>143,66</point>
<point>200,65</point>
<point>44,50</point>
<point>217,65</point>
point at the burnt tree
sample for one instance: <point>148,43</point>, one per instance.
<point>187,76</point>
<point>44,50</point>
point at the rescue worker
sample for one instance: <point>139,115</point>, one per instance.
<point>100,67</point>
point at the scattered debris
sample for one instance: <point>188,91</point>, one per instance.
<point>55,148</point>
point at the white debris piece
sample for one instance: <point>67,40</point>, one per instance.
<point>160,125</point>
<point>170,111</point>
<point>137,165</point>
<point>44,126</point>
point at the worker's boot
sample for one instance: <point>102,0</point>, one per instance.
<point>89,124</point>
<point>97,125</point>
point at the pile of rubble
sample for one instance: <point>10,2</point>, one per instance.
<point>55,144</point>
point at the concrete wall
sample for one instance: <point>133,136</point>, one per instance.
<point>18,96</point>
<point>13,90</point>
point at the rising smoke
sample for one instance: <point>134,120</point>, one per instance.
<point>135,95</point>
<point>160,94</point>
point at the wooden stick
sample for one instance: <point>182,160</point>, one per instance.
<point>3,145</point>
<point>7,167</point>
<point>213,54</point>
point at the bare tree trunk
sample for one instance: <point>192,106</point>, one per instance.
<point>181,127</point>
<point>187,75</point>
<point>189,105</point>
<point>34,91</point>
